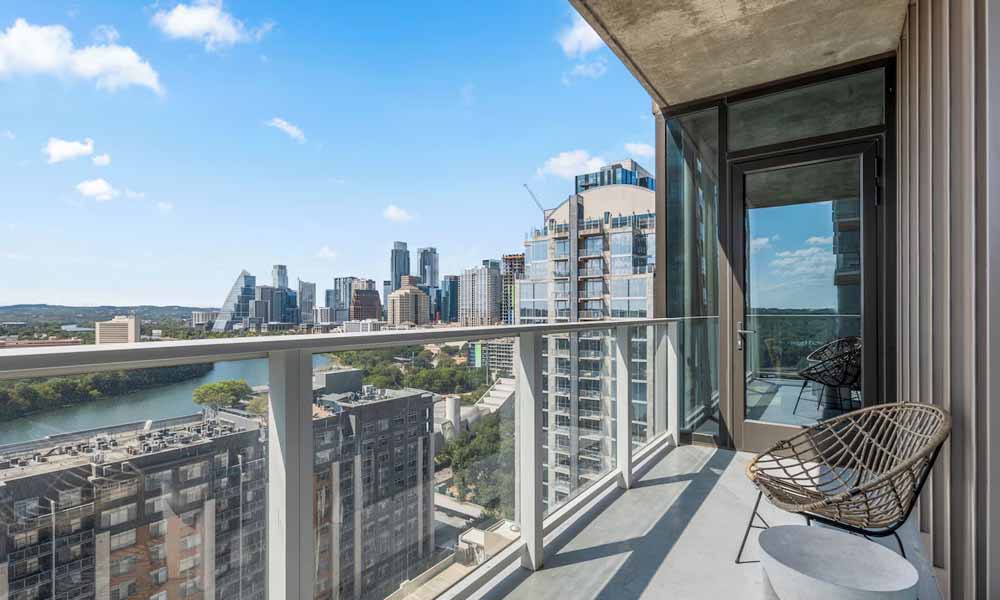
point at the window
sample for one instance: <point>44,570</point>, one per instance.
<point>26,509</point>
<point>159,596</point>
<point>123,590</point>
<point>158,528</point>
<point>193,494</point>
<point>192,471</point>
<point>159,577</point>
<point>70,497</point>
<point>158,480</point>
<point>189,563</point>
<point>123,539</point>
<point>191,541</point>
<point>157,552</point>
<point>221,460</point>
<point>27,538</point>
<point>122,566</point>
<point>156,505</point>
<point>117,516</point>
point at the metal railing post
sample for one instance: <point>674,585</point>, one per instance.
<point>290,534</point>
<point>671,362</point>
<point>623,380</point>
<point>527,369</point>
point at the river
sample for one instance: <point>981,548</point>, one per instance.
<point>158,403</point>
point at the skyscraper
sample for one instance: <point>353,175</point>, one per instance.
<point>449,299</point>
<point>307,299</point>
<point>428,261</point>
<point>409,304</point>
<point>279,276</point>
<point>365,304</point>
<point>479,294</point>
<point>236,306</point>
<point>342,287</point>
<point>593,260</point>
<point>399,263</point>
<point>386,290</point>
<point>513,270</point>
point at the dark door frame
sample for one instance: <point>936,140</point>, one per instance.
<point>757,436</point>
<point>885,222</point>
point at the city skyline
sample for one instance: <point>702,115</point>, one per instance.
<point>217,162</point>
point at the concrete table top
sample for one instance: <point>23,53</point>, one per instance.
<point>822,563</point>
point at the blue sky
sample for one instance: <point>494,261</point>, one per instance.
<point>148,152</point>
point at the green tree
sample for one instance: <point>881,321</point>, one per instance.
<point>258,405</point>
<point>223,393</point>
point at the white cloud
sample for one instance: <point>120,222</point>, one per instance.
<point>7,134</point>
<point>105,34</point>
<point>133,195</point>
<point>27,49</point>
<point>396,214</point>
<point>326,253</point>
<point>812,261</point>
<point>207,22</point>
<point>589,70</point>
<point>820,241</point>
<point>102,160</point>
<point>291,130</point>
<point>570,164</point>
<point>59,150</point>
<point>165,207</point>
<point>579,39</point>
<point>641,150</point>
<point>98,189</point>
<point>758,244</point>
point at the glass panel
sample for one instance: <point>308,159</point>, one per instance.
<point>850,102</point>
<point>414,471</point>
<point>803,290</point>
<point>698,359</point>
<point>153,482</point>
<point>692,262</point>
<point>581,435</point>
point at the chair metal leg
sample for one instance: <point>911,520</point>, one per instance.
<point>900,542</point>
<point>750,525</point>
<point>802,389</point>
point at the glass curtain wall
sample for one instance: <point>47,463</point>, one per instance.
<point>692,202</point>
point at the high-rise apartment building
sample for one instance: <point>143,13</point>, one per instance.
<point>513,270</point>
<point>408,305</point>
<point>479,290</point>
<point>322,315</point>
<point>373,480</point>
<point>279,276</point>
<point>399,264</point>
<point>449,298</point>
<point>236,306</point>
<point>119,330</point>
<point>307,299</point>
<point>365,304</point>
<point>593,260</point>
<point>428,261</point>
<point>176,510</point>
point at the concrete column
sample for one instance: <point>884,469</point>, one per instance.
<point>528,438</point>
<point>624,404</point>
<point>290,535</point>
<point>102,565</point>
<point>208,551</point>
<point>453,412</point>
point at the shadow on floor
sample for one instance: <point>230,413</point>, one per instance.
<point>645,553</point>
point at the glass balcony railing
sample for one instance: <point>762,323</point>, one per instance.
<point>414,478</point>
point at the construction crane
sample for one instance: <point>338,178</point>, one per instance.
<point>535,198</point>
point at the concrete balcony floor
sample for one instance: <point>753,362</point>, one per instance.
<point>674,535</point>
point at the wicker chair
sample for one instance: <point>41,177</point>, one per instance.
<point>834,365</point>
<point>861,471</point>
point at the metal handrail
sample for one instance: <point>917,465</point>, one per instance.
<point>72,360</point>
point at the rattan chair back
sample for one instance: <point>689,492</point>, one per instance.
<point>863,469</point>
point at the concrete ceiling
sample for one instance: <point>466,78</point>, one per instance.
<point>684,50</point>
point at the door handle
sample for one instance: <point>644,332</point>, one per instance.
<point>742,332</point>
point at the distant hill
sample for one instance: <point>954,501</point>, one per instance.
<point>64,315</point>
